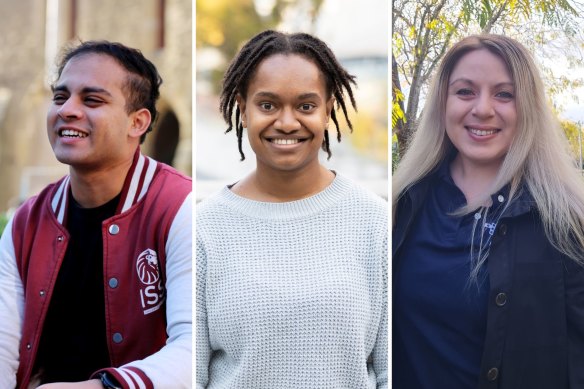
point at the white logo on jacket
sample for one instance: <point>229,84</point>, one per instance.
<point>152,294</point>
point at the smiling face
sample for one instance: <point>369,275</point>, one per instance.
<point>481,117</point>
<point>286,110</point>
<point>87,122</point>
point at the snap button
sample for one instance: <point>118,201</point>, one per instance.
<point>492,374</point>
<point>113,282</point>
<point>500,198</point>
<point>117,338</point>
<point>502,229</point>
<point>28,346</point>
<point>60,238</point>
<point>42,293</point>
<point>501,299</point>
<point>114,229</point>
<point>477,216</point>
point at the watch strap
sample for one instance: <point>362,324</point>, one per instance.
<point>108,381</point>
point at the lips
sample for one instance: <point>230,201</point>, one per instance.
<point>482,132</point>
<point>71,133</point>
<point>284,141</point>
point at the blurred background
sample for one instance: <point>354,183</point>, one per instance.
<point>31,35</point>
<point>356,31</point>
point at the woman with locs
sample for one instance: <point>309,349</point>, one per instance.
<point>488,232</point>
<point>292,259</point>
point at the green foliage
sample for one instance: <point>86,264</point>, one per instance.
<point>574,135</point>
<point>3,222</point>
<point>397,113</point>
<point>394,153</point>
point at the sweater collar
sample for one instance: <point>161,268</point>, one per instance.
<point>331,195</point>
<point>135,186</point>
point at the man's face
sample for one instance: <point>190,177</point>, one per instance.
<point>87,122</point>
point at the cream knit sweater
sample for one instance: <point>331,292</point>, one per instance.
<point>292,295</point>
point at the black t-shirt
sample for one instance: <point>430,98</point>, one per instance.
<point>73,342</point>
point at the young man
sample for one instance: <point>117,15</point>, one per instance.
<point>95,271</point>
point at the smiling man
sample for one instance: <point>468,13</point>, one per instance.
<point>95,271</point>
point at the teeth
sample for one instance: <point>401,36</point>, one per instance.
<point>481,132</point>
<point>73,133</point>
<point>285,141</point>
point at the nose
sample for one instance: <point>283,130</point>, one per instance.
<point>483,106</point>
<point>287,121</point>
<point>69,110</point>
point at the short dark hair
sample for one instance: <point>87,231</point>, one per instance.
<point>267,43</point>
<point>143,83</point>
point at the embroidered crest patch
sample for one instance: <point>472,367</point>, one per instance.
<point>148,269</point>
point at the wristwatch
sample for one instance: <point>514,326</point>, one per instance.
<point>108,381</point>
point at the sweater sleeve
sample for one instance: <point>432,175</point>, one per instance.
<point>11,310</point>
<point>171,366</point>
<point>203,353</point>
<point>381,346</point>
<point>574,274</point>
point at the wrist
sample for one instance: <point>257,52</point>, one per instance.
<point>108,381</point>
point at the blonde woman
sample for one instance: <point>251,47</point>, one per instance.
<point>488,232</point>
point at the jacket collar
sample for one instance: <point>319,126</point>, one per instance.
<point>135,187</point>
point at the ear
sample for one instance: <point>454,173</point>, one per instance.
<point>330,104</point>
<point>140,121</point>
<point>241,103</point>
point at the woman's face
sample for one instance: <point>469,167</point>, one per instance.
<point>286,110</point>
<point>481,117</point>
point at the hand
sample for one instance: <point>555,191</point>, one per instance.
<point>91,384</point>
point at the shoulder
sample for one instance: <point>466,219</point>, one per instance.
<point>215,212</point>
<point>37,202</point>
<point>173,179</point>
<point>168,190</point>
<point>365,198</point>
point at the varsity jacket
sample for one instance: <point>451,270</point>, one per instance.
<point>535,313</point>
<point>147,278</point>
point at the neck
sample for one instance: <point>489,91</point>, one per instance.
<point>473,179</point>
<point>91,188</point>
<point>264,185</point>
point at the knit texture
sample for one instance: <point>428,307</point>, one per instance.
<point>292,295</point>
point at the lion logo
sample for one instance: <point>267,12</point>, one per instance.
<point>147,267</point>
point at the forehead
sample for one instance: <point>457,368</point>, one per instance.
<point>481,64</point>
<point>92,70</point>
<point>288,72</point>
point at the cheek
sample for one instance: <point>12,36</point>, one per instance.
<point>52,114</point>
<point>455,110</point>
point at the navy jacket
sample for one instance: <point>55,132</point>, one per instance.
<point>535,325</point>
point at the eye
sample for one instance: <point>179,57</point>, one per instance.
<point>267,106</point>
<point>505,95</point>
<point>93,101</point>
<point>464,92</point>
<point>306,107</point>
<point>59,98</point>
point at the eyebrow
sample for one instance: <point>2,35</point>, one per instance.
<point>303,96</point>
<point>468,81</point>
<point>85,90</point>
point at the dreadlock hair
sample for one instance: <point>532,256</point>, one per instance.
<point>143,81</point>
<point>242,68</point>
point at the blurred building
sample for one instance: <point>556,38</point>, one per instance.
<point>31,35</point>
<point>358,34</point>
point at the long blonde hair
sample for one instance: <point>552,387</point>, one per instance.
<point>537,158</point>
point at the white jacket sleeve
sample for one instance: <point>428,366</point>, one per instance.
<point>11,310</point>
<point>171,367</point>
